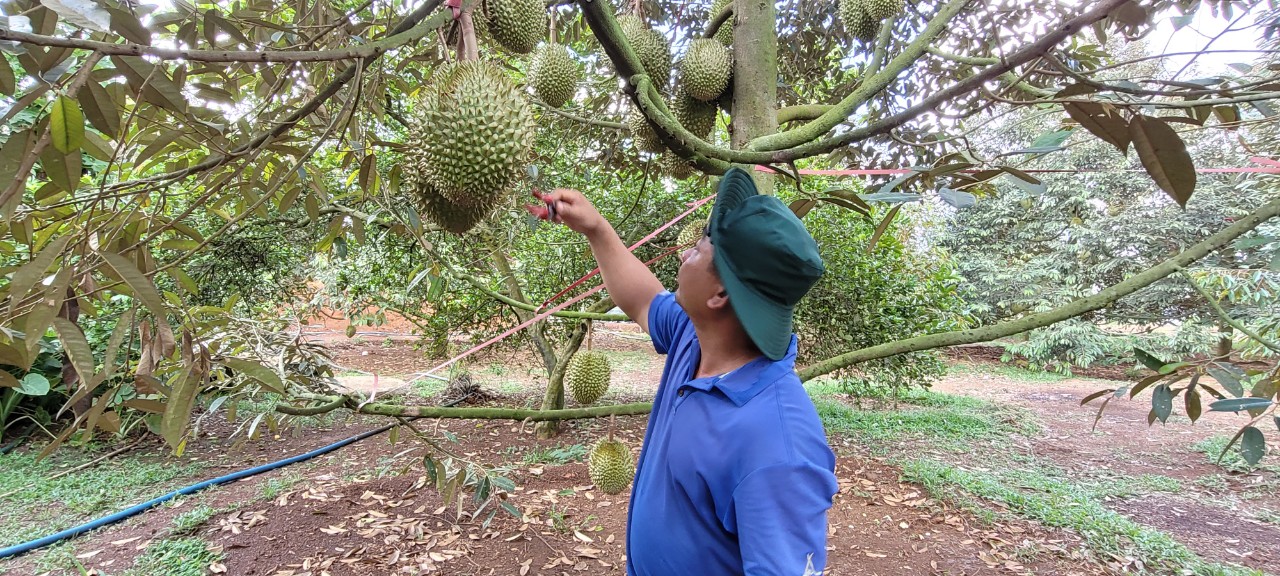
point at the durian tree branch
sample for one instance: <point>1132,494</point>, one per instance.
<point>370,50</point>
<point>869,87</point>
<point>334,404</point>
<point>1008,77</point>
<point>1081,306</point>
<point>283,126</point>
<point>802,112</point>
<point>718,20</point>
<point>553,398</point>
<point>517,414</point>
<point>670,132</point>
<point>576,118</point>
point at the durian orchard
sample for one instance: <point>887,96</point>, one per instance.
<point>136,138</point>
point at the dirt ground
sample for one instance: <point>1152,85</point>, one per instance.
<point>364,509</point>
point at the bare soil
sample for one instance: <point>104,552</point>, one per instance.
<point>364,509</point>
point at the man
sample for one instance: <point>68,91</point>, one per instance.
<point>735,475</point>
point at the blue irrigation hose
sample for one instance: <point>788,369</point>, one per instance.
<point>121,515</point>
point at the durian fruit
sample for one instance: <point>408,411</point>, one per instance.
<point>696,116</point>
<point>650,47</point>
<point>553,74</point>
<point>857,21</point>
<point>587,376</point>
<point>880,10</point>
<point>705,69</point>
<point>610,466</point>
<point>645,137</point>
<point>692,232</point>
<point>470,134</point>
<point>517,25</point>
<point>725,34</point>
<point>675,166</point>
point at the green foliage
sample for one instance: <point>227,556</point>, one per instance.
<point>864,299</point>
<point>37,505</point>
<point>39,394</point>
<point>557,454</point>
<point>1232,461</point>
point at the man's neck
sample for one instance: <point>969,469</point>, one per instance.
<point>723,351</point>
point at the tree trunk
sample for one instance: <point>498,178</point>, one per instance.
<point>755,77</point>
<point>1226,334</point>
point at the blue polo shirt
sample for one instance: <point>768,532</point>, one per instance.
<point>735,475</point>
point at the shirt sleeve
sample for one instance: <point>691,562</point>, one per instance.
<point>780,513</point>
<point>666,321</point>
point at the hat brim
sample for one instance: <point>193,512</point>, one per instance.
<point>767,323</point>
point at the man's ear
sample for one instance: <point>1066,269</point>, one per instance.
<point>719,300</point>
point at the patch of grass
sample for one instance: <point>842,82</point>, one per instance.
<point>1056,501</point>
<point>1009,371</point>
<point>950,421</point>
<point>176,557</point>
<point>188,521</point>
<point>1213,482</point>
<point>1124,486</point>
<point>557,454</point>
<point>427,387</point>
<point>59,558</point>
<point>272,488</point>
<point>1268,515</point>
<point>629,360</point>
<point>1232,461</point>
<point>39,506</point>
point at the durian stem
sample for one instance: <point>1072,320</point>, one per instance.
<point>552,32</point>
<point>590,331</point>
<point>468,50</point>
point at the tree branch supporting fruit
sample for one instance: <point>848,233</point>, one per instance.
<point>1081,306</point>
<point>519,414</point>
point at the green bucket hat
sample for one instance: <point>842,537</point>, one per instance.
<point>765,257</point>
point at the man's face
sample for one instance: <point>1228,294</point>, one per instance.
<point>696,280</point>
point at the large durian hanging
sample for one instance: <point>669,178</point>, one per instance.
<point>695,115</point>
<point>610,466</point>
<point>588,376</point>
<point>650,47</point>
<point>705,69</point>
<point>642,133</point>
<point>517,25</point>
<point>856,20</point>
<point>553,74</point>
<point>470,134</point>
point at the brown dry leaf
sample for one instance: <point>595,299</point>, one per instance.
<point>524,566</point>
<point>871,554</point>
<point>334,530</point>
<point>583,537</point>
<point>586,552</point>
<point>89,554</point>
<point>125,541</point>
<point>218,568</point>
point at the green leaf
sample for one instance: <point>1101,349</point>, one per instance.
<point>63,169</point>
<point>1162,402</point>
<point>127,25</point>
<point>66,125</point>
<point>1096,395</point>
<point>33,384</point>
<point>100,108</point>
<point>264,375</point>
<point>1238,404</point>
<point>1027,182</point>
<point>1164,156</point>
<point>957,199</point>
<point>156,85</point>
<point>1102,121</point>
<point>1144,383</point>
<point>1051,139</point>
<point>77,347</point>
<point>880,229</point>
<point>1252,445</point>
<point>15,148</point>
<point>1147,359</point>
<point>1227,114</point>
<point>1192,402</point>
<point>1225,377</point>
<point>369,174</point>
<point>177,409</point>
<point>7,380</point>
<point>8,82</point>
<point>141,286</point>
<point>124,325</point>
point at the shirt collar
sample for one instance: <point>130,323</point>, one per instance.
<point>743,384</point>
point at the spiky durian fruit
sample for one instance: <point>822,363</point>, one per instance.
<point>470,134</point>
<point>610,466</point>
<point>705,69</point>
<point>553,74</point>
<point>696,116</point>
<point>650,47</point>
<point>880,10</point>
<point>725,34</point>
<point>675,166</point>
<point>588,376</point>
<point>643,134</point>
<point>517,25</point>
<point>857,21</point>
<point>692,232</point>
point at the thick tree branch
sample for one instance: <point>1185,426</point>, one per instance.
<point>718,20</point>
<point>1081,306</point>
<point>297,116</point>
<point>517,414</point>
<point>869,87</point>
<point>479,284</point>
<point>370,50</point>
<point>802,112</point>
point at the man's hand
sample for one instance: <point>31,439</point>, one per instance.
<point>571,208</point>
